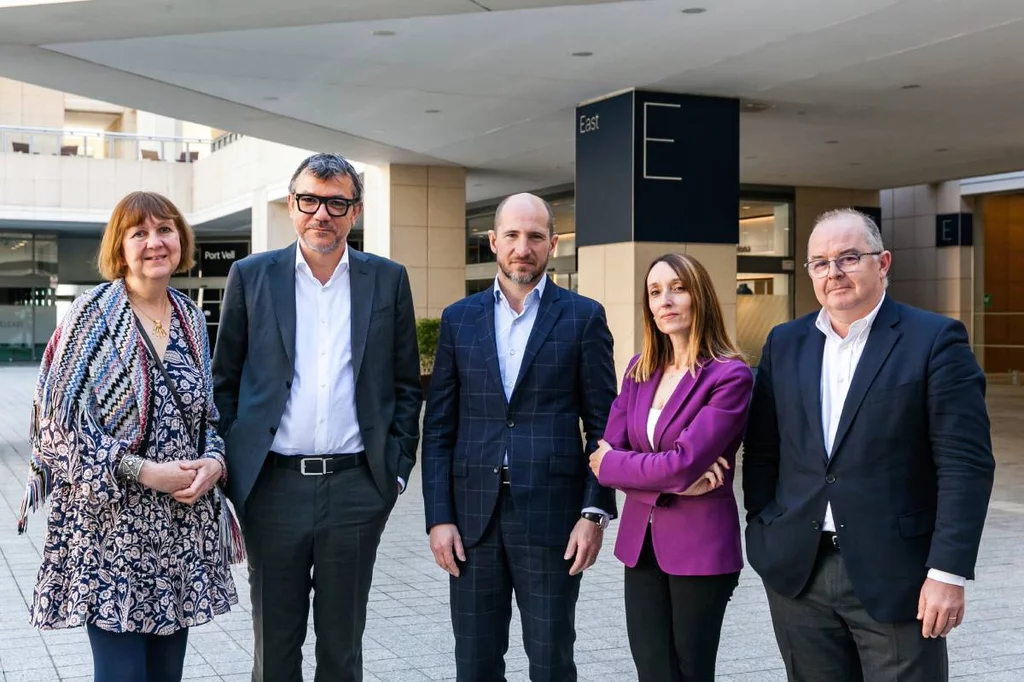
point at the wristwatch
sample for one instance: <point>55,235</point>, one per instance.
<point>600,519</point>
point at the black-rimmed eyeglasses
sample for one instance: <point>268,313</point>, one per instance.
<point>848,262</point>
<point>336,206</point>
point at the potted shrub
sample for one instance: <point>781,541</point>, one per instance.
<point>427,331</point>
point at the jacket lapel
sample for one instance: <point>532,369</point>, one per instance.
<point>675,403</point>
<point>362,290</point>
<point>282,293</point>
<point>548,312</point>
<point>641,409</point>
<point>881,340</point>
<point>813,352</point>
<point>488,343</point>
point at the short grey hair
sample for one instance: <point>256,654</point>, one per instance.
<point>872,234</point>
<point>327,166</point>
<point>547,207</point>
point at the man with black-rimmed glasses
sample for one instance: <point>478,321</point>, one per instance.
<point>316,376</point>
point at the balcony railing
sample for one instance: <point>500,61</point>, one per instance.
<point>101,145</point>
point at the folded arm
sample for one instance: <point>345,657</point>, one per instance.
<point>717,423</point>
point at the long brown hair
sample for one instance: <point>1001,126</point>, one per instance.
<point>708,337</point>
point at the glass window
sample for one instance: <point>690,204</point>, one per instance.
<point>46,254</point>
<point>764,229</point>
<point>16,257</point>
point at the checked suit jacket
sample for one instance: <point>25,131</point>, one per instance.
<point>567,376</point>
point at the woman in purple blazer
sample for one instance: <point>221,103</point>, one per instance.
<point>670,445</point>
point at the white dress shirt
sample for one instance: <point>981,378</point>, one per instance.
<point>511,333</point>
<point>320,415</point>
<point>838,365</point>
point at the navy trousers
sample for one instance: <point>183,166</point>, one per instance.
<point>134,657</point>
<point>504,562</point>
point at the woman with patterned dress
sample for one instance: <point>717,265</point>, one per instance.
<point>139,538</point>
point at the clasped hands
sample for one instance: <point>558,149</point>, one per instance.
<point>710,480</point>
<point>184,480</point>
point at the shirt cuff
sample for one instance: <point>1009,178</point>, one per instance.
<point>948,578</point>
<point>596,510</point>
<point>401,485</point>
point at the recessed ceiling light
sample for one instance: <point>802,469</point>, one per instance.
<point>270,98</point>
<point>942,149</point>
<point>478,184</point>
<point>912,86</point>
<point>831,141</point>
<point>383,34</point>
<point>750,158</point>
<point>756,107</point>
<point>801,113</point>
<point>431,111</point>
<point>694,10</point>
<point>582,54</point>
<point>746,208</point>
<point>855,163</point>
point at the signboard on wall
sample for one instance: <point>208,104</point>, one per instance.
<point>657,167</point>
<point>954,229</point>
<point>215,258</point>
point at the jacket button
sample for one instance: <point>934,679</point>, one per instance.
<point>496,469</point>
<point>510,423</point>
<point>816,525</point>
<point>273,430</point>
<point>830,479</point>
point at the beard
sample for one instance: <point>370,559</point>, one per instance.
<point>322,247</point>
<point>520,277</point>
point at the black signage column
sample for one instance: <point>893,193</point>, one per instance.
<point>657,167</point>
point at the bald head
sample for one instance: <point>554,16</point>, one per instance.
<point>523,238</point>
<point>525,206</point>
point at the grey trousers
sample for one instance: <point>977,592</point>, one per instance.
<point>314,534</point>
<point>825,635</point>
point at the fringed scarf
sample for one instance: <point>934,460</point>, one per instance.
<point>96,368</point>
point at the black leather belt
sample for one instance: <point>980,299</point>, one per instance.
<point>829,541</point>
<point>317,465</point>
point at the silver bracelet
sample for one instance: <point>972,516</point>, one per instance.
<point>130,467</point>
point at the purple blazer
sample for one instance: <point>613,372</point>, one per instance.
<point>703,419</point>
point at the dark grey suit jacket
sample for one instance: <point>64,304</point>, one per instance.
<point>253,364</point>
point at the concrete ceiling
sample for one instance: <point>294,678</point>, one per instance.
<point>861,93</point>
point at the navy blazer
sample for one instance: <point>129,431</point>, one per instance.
<point>911,468</point>
<point>567,374</point>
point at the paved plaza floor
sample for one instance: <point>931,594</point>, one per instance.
<point>408,633</point>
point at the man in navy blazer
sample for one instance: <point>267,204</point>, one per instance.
<point>867,471</point>
<point>511,504</point>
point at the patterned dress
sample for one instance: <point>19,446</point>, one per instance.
<point>119,555</point>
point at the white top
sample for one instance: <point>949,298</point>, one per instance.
<point>652,421</point>
<point>320,415</point>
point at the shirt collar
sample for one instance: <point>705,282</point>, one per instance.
<point>824,323</point>
<point>536,293</point>
<point>301,264</point>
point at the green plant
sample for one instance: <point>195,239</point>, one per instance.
<point>427,332</point>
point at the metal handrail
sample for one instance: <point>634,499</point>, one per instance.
<point>23,139</point>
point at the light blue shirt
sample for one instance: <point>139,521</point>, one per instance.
<point>511,332</point>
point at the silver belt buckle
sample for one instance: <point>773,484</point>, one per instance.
<point>307,460</point>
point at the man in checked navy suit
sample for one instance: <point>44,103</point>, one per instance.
<point>511,504</point>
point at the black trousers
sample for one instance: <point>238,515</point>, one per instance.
<point>319,534</point>
<point>504,562</point>
<point>674,622</point>
<point>134,657</point>
<point>825,634</point>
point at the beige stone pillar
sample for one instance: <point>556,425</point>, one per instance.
<point>416,215</point>
<point>810,203</point>
<point>271,226</point>
<point>614,274</point>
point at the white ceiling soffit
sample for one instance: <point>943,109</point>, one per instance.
<point>504,83</point>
